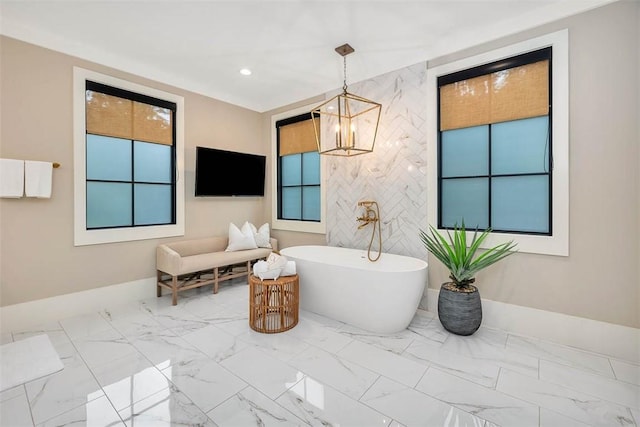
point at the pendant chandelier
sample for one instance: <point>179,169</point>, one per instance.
<point>347,124</point>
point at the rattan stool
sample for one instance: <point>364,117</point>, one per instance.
<point>273,304</point>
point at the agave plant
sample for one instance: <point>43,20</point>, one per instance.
<point>459,258</point>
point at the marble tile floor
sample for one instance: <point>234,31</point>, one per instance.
<point>148,363</point>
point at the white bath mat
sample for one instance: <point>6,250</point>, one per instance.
<point>27,360</point>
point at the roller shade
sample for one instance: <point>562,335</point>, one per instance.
<point>118,117</point>
<point>152,123</point>
<point>511,94</point>
<point>298,137</point>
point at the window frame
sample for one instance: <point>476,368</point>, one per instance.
<point>284,122</point>
<point>132,96</point>
<point>558,242</point>
<point>305,226</point>
<point>519,60</point>
<point>84,236</point>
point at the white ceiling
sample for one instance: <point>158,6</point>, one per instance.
<point>289,45</point>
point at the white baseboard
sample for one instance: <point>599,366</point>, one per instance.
<point>29,314</point>
<point>609,339</point>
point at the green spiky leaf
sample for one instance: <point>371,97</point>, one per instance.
<point>460,259</point>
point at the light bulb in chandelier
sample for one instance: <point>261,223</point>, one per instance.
<point>345,137</point>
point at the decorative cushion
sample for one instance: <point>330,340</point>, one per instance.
<point>240,239</point>
<point>261,235</point>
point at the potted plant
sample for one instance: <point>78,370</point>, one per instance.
<point>459,305</point>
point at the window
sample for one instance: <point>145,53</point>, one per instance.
<point>494,146</point>
<point>128,149</point>
<point>298,170</point>
<point>501,156</point>
<point>298,199</point>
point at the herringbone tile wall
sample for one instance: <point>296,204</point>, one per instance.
<point>394,175</point>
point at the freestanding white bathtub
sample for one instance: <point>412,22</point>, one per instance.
<point>342,284</point>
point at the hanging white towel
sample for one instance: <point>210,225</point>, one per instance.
<point>11,178</point>
<point>38,178</point>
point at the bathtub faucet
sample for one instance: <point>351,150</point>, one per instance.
<point>371,216</point>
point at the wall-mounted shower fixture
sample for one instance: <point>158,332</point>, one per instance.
<point>371,216</point>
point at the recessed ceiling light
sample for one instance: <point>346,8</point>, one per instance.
<point>245,71</point>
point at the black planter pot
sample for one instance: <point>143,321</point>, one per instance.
<point>460,312</point>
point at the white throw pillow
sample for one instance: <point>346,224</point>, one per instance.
<point>261,235</point>
<point>240,239</point>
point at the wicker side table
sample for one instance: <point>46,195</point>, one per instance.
<point>273,304</point>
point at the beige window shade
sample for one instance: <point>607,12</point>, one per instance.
<point>152,124</point>
<point>110,115</point>
<point>297,137</point>
<point>512,94</point>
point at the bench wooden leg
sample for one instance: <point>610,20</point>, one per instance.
<point>174,290</point>
<point>158,287</point>
<point>215,280</point>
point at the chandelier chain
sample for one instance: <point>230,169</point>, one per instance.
<point>344,86</point>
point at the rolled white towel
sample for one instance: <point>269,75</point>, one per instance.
<point>289,269</point>
<point>264,270</point>
<point>260,267</point>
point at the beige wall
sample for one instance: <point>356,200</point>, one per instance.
<point>599,279</point>
<point>293,238</point>
<point>37,256</point>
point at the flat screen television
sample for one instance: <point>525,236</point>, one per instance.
<point>229,173</point>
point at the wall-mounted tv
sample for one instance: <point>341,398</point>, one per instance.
<point>229,173</point>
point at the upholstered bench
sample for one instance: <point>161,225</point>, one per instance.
<point>188,264</point>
